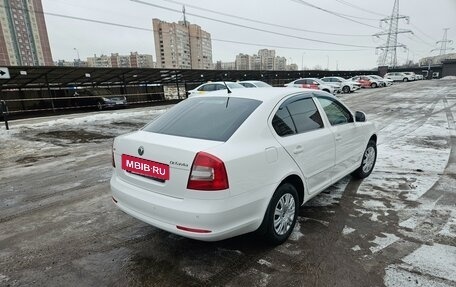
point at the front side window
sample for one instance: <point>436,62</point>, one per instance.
<point>297,115</point>
<point>337,114</point>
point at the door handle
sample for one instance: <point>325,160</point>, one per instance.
<point>338,138</point>
<point>298,150</point>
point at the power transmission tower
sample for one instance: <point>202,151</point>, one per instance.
<point>388,56</point>
<point>443,43</point>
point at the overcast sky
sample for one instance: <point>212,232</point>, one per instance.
<point>427,20</point>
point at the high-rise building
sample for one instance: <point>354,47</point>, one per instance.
<point>134,60</point>
<point>243,62</point>
<point>267,58</point>
<point>182,45</point>
<point>102,61</point>
<point>23,34</point>
<point>280,63</point>
<point>141,60</point>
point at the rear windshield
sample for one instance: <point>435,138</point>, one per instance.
<point>262,85</point>
<point>214,118</point>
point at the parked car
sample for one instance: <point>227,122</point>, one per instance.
<point>98,98</point>
<point>419,77</point>
<point>312,83</point>
<point>212,87</point>
<point>412,75</point>
<point>345,85</point>
<point>366,81</point>
<point>220,165</point>
<point>384,82</point>
<point>254,84</point>
<point>398,76</point>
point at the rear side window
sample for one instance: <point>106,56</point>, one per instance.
<point>205,118</point>
<point>297,115</point>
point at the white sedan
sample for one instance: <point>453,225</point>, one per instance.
<point>313,83</point>
<point>213,87</point>
<point>345,85</point>
<point>214,167</point>
<point>254,84</point>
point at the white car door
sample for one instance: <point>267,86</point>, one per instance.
<point>300,130</point>
<point>349,138</point>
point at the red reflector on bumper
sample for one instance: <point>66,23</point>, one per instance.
<point>193,229</point>
<point>113,199</point>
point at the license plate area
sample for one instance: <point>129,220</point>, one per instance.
<point>146,168</point>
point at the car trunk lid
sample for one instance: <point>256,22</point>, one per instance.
<point>157,162</point>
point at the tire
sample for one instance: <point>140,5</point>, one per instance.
<point>368,161</point>
<point>285,197</point>
<point>346,89</point>
<point>374,85</point>
<point>405,80</point>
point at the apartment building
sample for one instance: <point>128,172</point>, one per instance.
<point>23,34</point>
<point>182,45</point>
<point>134,60</point>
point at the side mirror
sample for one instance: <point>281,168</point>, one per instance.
<point>360,116</point>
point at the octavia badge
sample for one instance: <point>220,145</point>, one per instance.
<point>141,150</point>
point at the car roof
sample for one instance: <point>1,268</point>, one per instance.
<point>220,82</point>
<point>250,81</point>
<point>264,94</point>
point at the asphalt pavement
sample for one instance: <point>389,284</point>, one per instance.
<point>59,227</point>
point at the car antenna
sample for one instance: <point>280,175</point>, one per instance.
<point>226,86</point>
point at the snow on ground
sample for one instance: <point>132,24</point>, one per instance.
<point>381,242</point>
<point>449,230</point>
<point>448,78</point>
<point>438,260</point>
<point>427,266</point>
<point>398,277</point>
<point>31,140</point>
<point>410,159</point>
<point>347,230</point>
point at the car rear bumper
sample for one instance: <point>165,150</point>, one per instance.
<point>224,218</point>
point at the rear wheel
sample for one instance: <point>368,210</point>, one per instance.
<point>280,218</point>
<point>405,80</point>
<point>368,163</point>
<point>373,85</point>
<point>346,89</point>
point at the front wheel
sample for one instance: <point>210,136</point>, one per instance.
<point>373,85</point>
<point>368,162</point>
<point>346,89</point>
<point>405,80</point>
<point>280,218</point>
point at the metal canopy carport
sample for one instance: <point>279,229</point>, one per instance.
<point>25,77</point>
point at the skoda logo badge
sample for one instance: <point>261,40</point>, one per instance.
<point>141,150</point>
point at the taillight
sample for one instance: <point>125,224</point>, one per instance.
<point>208,173</point>
<point>112,156</point>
